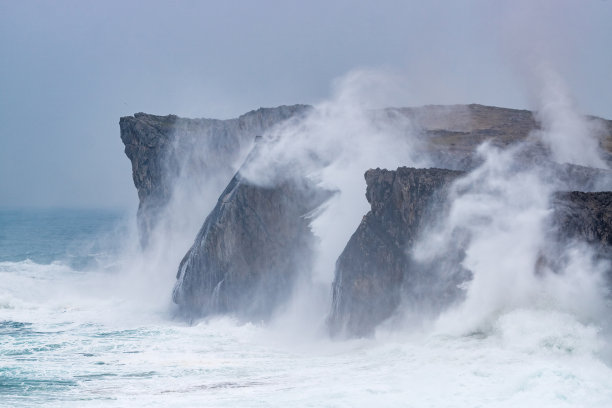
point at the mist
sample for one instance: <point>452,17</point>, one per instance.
<point>500,210</point>
<point>71,69</point>
<point>495,300</point>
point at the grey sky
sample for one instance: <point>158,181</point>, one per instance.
<point>70,69</point>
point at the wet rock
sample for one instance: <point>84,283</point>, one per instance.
<point>376,271</point>
<point>584,217</point>
<point>166,151</point>
<point>250,250</point>
<point>374,266</point>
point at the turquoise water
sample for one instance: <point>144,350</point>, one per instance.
<point>46,235</point>
<point>86,321</point>
<point>37,244</point>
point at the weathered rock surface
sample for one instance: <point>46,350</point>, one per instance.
<point>373,267</point>
<point>585,217</point>
<point>375,272</point>
<point>454,131</point>
<point>249,251</point>
<point>257,240</point>
<point>164,149</point>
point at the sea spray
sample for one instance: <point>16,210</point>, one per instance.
<point>515,261</point>
<point>334,145</point>
<point>571,137</point>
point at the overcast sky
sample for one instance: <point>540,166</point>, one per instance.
<point>70,69</point>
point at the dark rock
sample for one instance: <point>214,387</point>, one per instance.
<point>584,217</point>
<point>376,271</point>
<point>257,239</point>
<point>250,250</point>
<point>374,266</point>
<point>164,149</point>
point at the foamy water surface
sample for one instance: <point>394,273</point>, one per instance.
<point>64,344</point>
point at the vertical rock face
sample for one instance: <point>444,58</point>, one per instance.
<point>585,217</point>
<point>257,239</point>
<point>376,271</point>
<point>147,139</point>
<point>166,149</point>
<point>249,251</point>
<point>374,266</point>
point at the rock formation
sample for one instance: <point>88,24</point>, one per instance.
<point>453,132</point>
<point>257,239</point>
<point>375,271</point>
<point>164,149</point>
<point>250,249</point>
<point>584,217</point>
<point>374,266</point>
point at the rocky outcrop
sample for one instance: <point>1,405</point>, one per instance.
<point>250,250</point>
<point>374,266</point>
<point>376,271</point>
<point>453,132</point>
<point>257,240</point>
<point>167,150</point>
<point>584,217</point>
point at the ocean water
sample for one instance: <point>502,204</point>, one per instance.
<point>86,322</point>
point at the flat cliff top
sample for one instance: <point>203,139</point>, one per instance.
<point>456,127</point>
<point>464,127</point>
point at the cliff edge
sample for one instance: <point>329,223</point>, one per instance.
<point>168,150</point>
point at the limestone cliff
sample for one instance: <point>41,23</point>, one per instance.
<point>257,240</point>
<point>373,267</point>
<point>250,250</point>
<point>166,150</point>
<point>375,271</point>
